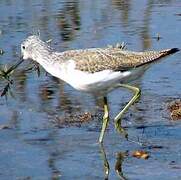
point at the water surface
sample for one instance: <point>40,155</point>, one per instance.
<point>46,139</point>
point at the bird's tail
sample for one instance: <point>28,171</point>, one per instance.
<point>168,52</point>
<point>153,56</point>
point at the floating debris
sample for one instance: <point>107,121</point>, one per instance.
<point>157,37</point>
<point>140,154</point>
<point>174,108</point>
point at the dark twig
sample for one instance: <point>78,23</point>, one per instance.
<point>5,74</point>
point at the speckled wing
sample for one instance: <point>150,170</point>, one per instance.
<point>97,59</point>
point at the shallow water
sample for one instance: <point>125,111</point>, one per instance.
<point>46,139</point>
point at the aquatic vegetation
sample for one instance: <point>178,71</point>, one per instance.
<point>175,109</point>
<point>76,119</point>
<point>6,73</point>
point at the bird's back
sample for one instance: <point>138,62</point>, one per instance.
<point>99,59</point>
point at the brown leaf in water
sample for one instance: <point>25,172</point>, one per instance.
<point>140,154</point>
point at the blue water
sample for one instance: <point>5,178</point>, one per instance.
<point>39,144</point>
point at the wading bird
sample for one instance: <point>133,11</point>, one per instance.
<point>94,70</point>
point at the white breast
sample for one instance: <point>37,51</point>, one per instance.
<point>89,82</point>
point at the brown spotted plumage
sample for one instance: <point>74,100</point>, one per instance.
<point>97,59</point>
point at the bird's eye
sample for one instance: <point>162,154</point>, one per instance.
<point>23,47</point>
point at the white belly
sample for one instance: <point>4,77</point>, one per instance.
<point>101,81</point>
<point>92,82</point>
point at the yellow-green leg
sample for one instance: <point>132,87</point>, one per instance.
<point>105,120</point>
<point>118,118</point>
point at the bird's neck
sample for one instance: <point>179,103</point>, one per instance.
<point>43,56</point>
<point>52,63</point>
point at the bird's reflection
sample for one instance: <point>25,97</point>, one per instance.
<point>120,156</point>
<point>106,163</point>
<point>68,20</point>
<point>56,173</point>
<point>125,8</point>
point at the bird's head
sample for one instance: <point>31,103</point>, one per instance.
<point>30,46</point>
